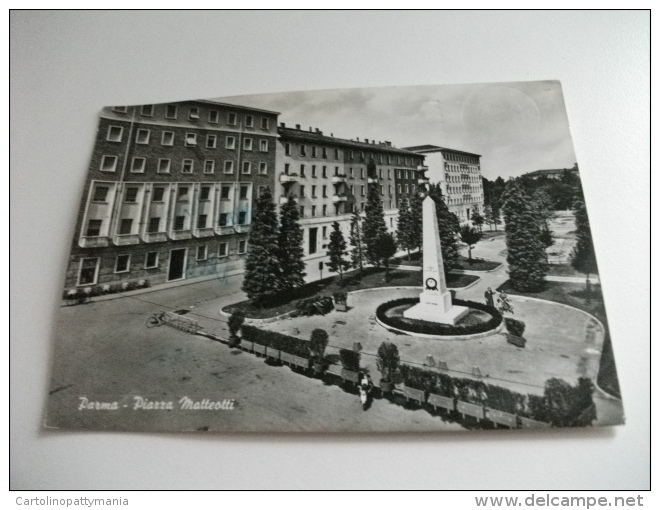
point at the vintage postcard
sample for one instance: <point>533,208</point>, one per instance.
<point>362,260</point>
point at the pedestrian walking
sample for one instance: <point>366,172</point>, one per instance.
<point>489,297</point>
<point>503,304</point>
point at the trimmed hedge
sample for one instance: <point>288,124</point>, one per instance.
<point>515,327</point>
<point>432,328</point>
<point>562,405</point>
<point>81,294</point>
<point>318,305</point>
<point>274,340</point>
<point>350,360</point>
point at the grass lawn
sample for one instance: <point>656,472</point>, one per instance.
<point>477,264</point>
<point>573,294</point>
<point>489,234</point>
<point>372,278</point>
<point>563,270</point>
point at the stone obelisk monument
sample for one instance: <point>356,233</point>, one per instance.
<point>435,303</point>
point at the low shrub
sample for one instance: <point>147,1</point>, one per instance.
<point>561,404</point>
<point>274,340</point>
<point>432,328</point>
<point>319,305</point>
<point>234,324</point>
<point>318,342</point>
<point>82,294</point>
<point>340,297</point>
<point>513,326</point>
<point>350,360</point>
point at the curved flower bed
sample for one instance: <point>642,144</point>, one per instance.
<point>433,328</point>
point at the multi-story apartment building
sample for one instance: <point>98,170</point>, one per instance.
<point>169,192</point>
<point>329,177</point>
<point>461,178</point>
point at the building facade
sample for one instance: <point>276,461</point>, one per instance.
<point>555,173</point>
<point>169,192</point>
<point>329,178</point>
<point>460,178</point>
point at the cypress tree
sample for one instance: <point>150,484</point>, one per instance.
<point>416,227</point>
<point>525,251</point>
<point>385,249</point>
<point>584,256</point>
<point>337,252</point>
<point>357,242</point>
<point>290,242</point>
<point>374,221</point>
<point>404,227</point>
<point>262,265</point>
<point>448,227</point>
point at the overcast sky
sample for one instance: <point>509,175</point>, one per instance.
<point>516,127</point>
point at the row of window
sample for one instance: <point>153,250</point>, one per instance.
<point>348,208</point>
<point>463,178</point>
<point>164,166</point>
<point>167,139</point>
<point>101,192</point>
<point>324,190</point>
<point>89,267</point>
<point>461,189</point>
<point>461,158</point>
<point>461,168</point>
<point>324,172</point>
<point>156,224</point>
<point>323,152</point>
<point>172,112</point>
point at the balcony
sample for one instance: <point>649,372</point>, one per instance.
<point>93,242</point>
<point>338,179</point>
<point>339,198</point>
<point>423,180</point>
<point>204,232</point>
<point>225,230</point>
<point>372,180</point>
<point>422,168</point>
<point>288,178</point>
<point>177,235</point>
<point>126,239</point>
<point>154,237</point>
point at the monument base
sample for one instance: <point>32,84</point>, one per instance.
<point>436,307</point>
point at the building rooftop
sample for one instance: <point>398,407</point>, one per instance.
<point>317,136</point>
<point>549,171</point>
<point>426,149</point>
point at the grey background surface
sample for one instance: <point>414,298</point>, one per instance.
<point>66,65</point>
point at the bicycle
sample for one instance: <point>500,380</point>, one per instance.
<point>158,319</point>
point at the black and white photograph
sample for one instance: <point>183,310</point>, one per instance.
<point>362,260</point>
<point>329,249</point>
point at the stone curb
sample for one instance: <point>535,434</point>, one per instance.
<point>595,382</point>
<point>455,338</point>
<point>250,320</point>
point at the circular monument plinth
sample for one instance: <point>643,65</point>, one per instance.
<point>479,321</point>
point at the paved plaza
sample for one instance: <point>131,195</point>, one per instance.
<point>118,358</point>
